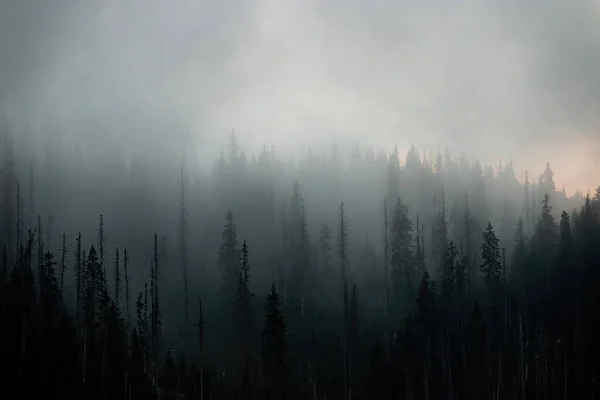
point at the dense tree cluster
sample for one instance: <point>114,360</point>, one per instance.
<point>378,279</point>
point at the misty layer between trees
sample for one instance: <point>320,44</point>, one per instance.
<point>435,277</point>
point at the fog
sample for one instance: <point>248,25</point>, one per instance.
<point>497,79</point>
<point>430,156</point>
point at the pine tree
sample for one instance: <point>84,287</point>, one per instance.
<point>201,325</point>
<point>183,255</point>
<point>40,254</point>
<point>63,263</point>
<point>117,276</point>
<point>155,322</point>
<point>386,272</point>
<point>518,253</point>
<point>19,214</point>
<point>79,271</point>
<point>126,278</point>
<point>546,228</point>
<point>229,258</point>
<point>425,303</point>
<point>419,251</point>
<point>461,273</point>
<point>273,347</point>
<point>352,338</point>
<point>101,244</point>
<point>490,254</point>
<point>346,339</point>
<point>440,236</point>
<point>146,332</point>
<point>298,246</point>
<point>449,273</point>
<point>243,299</point>
<point>469,226</point>
<point>325,247</point>
<point>566,247</point>
<point>343,246</point>
<point>403,257</point>
<point>50,298</point>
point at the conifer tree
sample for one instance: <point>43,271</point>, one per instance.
<point>419,251</point>
<point>546,227</point>
<point>19,214</point>
<point>298,246</point>
<point>440,236</point>
<point>229,257</point>
<point>101,244</point>
<point>425,303</point>
<point>490,254</point>
<point>343,246</point>
<point>273,347</point>
<point>117,276</point>
<point>518,253</point>
<point>79,270</point>
<point>386,271</point>
<point>183,254</point>
<point>346,339</point>
<point>126,278</point>
<point>325,247</point>
<point>50,298</point>
<point>201,325</point>
<point>403,257</point>
<point>40,254</point>
<point>155,321</point>
<point>63,262</point>
<point>449,283</point>
<point>244,310</point>
<point>569,277</point>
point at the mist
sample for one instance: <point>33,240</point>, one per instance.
<point>497,80</point>
<point>365,170</point>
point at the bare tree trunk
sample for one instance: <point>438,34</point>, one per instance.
<point>84,354</point>
<point>385,260</point>
<point>522,363</point>
<point>201,375</point>
<point>104,347</point>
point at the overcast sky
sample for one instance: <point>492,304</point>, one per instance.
<point>500,79</point>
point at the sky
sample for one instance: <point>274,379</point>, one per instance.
<point>497,79</point>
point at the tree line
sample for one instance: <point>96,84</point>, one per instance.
<point>467,296</point>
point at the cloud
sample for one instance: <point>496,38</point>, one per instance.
<point>498,79</point>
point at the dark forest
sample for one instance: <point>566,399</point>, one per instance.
<point>130,276</point>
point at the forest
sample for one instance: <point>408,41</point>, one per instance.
<point>366,275</point>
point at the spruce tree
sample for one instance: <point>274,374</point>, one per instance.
<point>273,347</point>
<point>201,326</point>
<point>325,247</point>
<point>117,277</point>
<point>546,231</point>
<point>101,244</point>
<point>229,258</point>
<point>403,257</point>
<point>343,246</point>
<point>490,254</point>
<point>244,311</point>
<point>79,272</point>
<point>449,283</point>
<point>63,262</point>
<point>440,236</point>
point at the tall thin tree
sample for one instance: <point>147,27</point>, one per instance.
<point>201,324</point>
<point>63,262</point>
<point>183,244</point>
<point>117,276</point>
<point>386,270</point>
<point>101,244</point>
